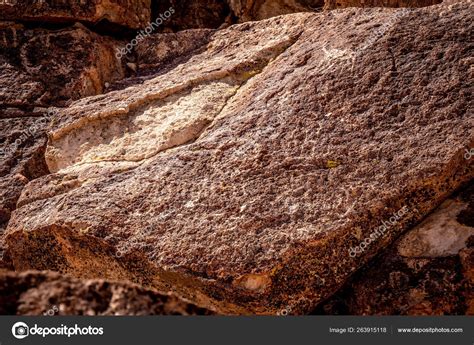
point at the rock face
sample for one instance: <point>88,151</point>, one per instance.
<point>130,13</point>
<point>160,53</point>
<point>214,13</point>
<point>49,294</point>
<point>40,68</point>
<point>137,14</point>
<point>334,4</point>
<point>246,178</point>
<point>429,271</point>
<point>193,14</point>
<point>245,10</point>
<point>21,159</point>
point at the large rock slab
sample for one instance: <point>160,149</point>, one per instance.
<point>50,294</point>
<point>428,271</point>
<point>245,178</point>
<point>21,158</point>
<point>130,13</point>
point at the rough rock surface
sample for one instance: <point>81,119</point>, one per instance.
<point>428,271</point>
<point>245,10</point>
<point>334,4</point>
<point>242,178</point>
<point>40,68</point>
<point>22,147</point>
<point>193,14</point>
<point>215,13</point>
<point>49,294</point>
<point>21,158</point>
<point>161,53</point>
<point>130,13</point>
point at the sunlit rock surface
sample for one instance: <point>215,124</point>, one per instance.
<point>129,13</point>
<point>428,271</point>
<point>40,68</point>
<point>242,178</point>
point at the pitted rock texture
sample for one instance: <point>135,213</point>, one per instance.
<point>334,4</point>
<point>22,147</point>
<point>170,110</point>
<point>160,53</point>
<point>40,67</point>
<point>21,158</point>
<point>242,178</point>
<point>193,14</point>
<point>50,294</point>
<point>246,10</point>
<point>130,13</point>
<point>217,14</point>
<point>429,271</point>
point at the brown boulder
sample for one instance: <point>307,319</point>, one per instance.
<point>130,13</point>
<point>39,68</point>
<point>53,67</point>
<point>49,294</point>
<point>244,178</point>
<point>428,271</point>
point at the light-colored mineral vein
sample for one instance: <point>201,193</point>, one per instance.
<point>157,121</point>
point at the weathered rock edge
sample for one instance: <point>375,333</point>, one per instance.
<point>48,293</point>
<point>133,14</point>
<point>317,262</point>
